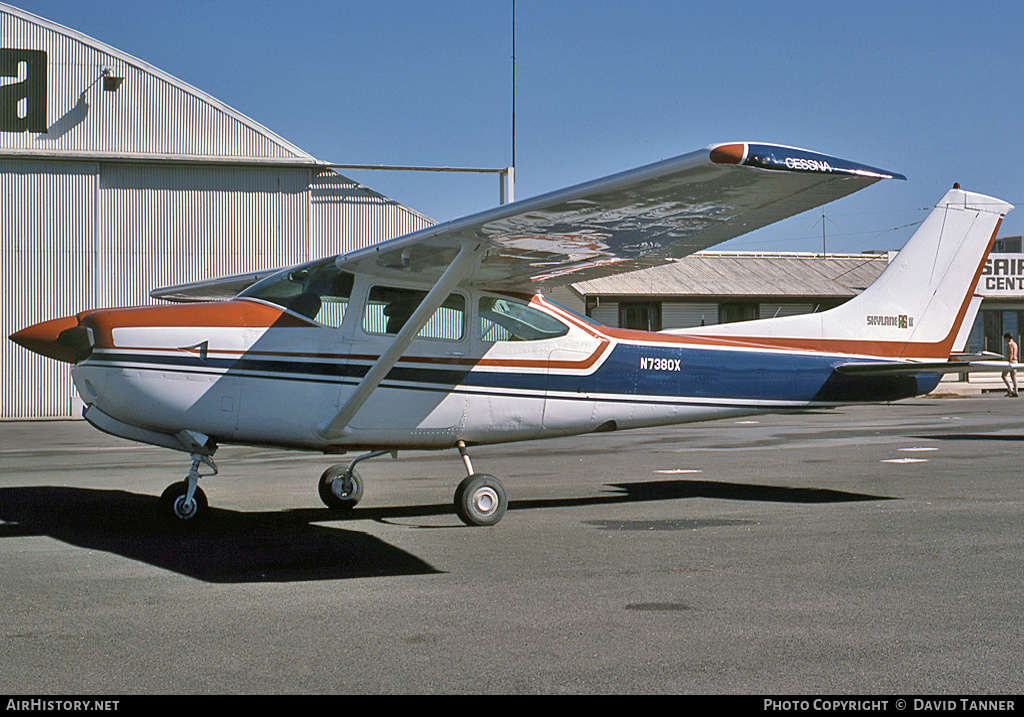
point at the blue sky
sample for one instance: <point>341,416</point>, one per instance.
<point>932,90</point>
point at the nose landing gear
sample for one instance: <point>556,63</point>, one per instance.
<point>185,502</point>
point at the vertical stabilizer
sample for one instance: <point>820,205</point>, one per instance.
<point>916,308</point>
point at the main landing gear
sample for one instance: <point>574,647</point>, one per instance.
<point>479,500</point>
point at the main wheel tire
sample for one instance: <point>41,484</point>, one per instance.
<point>336,475</point>
<point>480,500</point>
<point>174,510</point>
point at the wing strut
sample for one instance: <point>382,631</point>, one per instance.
<point>456,272</point>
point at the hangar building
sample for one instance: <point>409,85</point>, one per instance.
<point>116,178</point>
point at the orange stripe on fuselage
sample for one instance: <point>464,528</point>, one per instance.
<point>228,314</point>
<point>254,314</point>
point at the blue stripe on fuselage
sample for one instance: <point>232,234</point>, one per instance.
<point>706,373</point>
<point>736,374</point>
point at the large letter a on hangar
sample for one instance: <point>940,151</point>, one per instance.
<point>22,102</point>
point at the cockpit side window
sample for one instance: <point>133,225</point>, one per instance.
<point>389,307</point>
<point>318,291</point>
<point>508,320</point>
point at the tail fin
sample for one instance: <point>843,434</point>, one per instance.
<point>915,309</point>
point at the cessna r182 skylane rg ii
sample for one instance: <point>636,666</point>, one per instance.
<point>441,339</point>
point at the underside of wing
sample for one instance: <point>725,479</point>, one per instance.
<point>632,220</point>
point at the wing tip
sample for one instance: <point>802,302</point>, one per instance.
<point>729,154</point>
<point>779,157</point>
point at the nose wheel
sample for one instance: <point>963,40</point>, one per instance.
<point>177,508</point>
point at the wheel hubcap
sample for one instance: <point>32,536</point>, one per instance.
<point>184,508</point>
<point>340,489</point>
<point>485,500</point>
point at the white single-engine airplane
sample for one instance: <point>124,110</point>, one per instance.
<point>441,339</point>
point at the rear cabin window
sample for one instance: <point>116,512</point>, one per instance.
<point>388,308</point>
<point>508,320</point>
<point>318,291</point>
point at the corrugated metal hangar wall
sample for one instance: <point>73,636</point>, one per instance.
<point>116,178</point>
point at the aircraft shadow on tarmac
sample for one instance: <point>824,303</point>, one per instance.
<point>231,547</point>
<point>971,437</point>
<point>285,546</point>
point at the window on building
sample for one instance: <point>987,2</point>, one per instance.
<point>993,330</point>
<point>1007,245</point>
<point>989,327</point>
<point>643,315</point>
<point>738,311</point>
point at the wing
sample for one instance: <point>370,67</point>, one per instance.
<point>630,220</point>
<point>620,223</point>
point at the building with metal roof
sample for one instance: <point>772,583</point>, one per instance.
<point>712,287</point>
<point>716,287</point>
<point>117,178</point>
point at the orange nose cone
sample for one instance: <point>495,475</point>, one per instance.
<point>44,338</point>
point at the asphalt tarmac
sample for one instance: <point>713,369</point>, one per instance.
<point>869,550</point>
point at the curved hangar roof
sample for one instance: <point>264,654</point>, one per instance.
<point>68,108</point>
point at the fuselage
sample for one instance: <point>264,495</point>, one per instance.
<point>270,366</point>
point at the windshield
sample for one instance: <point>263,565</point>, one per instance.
<point>318,291</point>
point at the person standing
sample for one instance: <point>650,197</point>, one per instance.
<point>1011,356</point>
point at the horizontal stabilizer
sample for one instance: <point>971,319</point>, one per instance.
<point>221,289</point>
<point>923,368</point>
